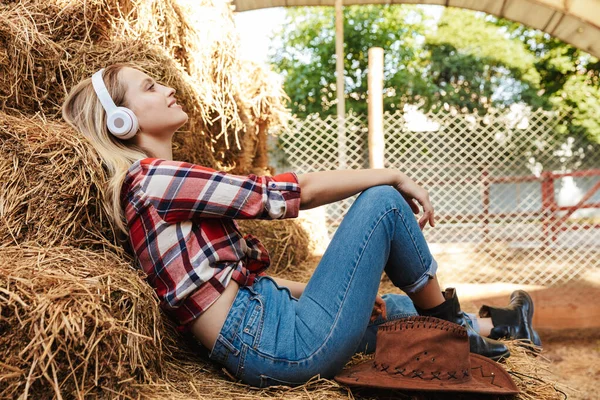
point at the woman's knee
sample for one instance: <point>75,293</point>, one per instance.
<point>385,196</point>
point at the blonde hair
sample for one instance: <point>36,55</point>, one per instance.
<point>83,111</point>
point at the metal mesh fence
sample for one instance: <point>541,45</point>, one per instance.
<point>516,194</point>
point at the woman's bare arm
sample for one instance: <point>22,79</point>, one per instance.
<point>326,187</point>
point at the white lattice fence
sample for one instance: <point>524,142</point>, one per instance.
<point>501,186</point>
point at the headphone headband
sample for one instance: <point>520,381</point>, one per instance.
<point>102,92</point>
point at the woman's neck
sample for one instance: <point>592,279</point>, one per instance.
<point>155,147</point>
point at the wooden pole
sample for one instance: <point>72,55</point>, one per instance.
<point>341,101</point>
<point>375,87</point>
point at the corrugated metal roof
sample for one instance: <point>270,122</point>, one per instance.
<point>574,21</point>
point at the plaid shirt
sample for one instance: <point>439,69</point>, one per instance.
<point>182,231</point>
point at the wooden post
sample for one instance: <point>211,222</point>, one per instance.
<point>339,66</point>
<point>375,87</point>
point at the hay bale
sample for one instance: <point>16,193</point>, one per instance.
<point>50,186</point>
<point>43,39</point>
<point>287,242</point>
<point>295,245</point>
<point>262,112</point>
<point>74,322</point>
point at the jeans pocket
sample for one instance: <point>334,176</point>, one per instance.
<point>222,350</point>
<point>254,322</point>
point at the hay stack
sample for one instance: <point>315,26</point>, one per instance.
<point>74,323</point>
<point>50,186</point>
<point>288,244</point>
<point>48,46</point>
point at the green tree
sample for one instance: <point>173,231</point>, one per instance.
<point>463,61</point>
<point>468,60</point>
<point>473,64</point>
<point>570,79</point>
<point>307,58</point>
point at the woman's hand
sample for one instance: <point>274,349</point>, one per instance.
<point>415,195</point>
<point>378,309</point>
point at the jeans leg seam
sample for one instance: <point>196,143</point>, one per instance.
<point>412,239</point>
<point>240,368</point>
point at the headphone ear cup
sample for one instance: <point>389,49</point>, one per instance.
<point>134,127</point>
<point>122,123</point>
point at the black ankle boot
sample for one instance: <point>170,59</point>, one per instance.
<point>450,310</point>
<point>514,321</point>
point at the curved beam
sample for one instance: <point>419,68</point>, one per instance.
<point>576,22</point>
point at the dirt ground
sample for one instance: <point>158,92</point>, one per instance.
<point>575,360</point>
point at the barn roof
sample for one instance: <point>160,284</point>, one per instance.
<point>573,21</point>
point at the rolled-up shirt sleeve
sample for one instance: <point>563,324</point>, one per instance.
<point>180,191</point>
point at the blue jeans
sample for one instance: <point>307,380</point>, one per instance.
<point>271,338</point>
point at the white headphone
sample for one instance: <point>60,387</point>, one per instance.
<point>121,121</point>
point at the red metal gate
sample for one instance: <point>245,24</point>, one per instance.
<point>551,214</point>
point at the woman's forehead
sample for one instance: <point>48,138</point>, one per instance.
<point>134,75</point>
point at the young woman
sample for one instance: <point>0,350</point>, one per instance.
<point>180,222</point>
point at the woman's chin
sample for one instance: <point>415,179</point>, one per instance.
<point>183,121</point>
<point>184,113</point>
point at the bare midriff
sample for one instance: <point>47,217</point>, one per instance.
<point>207,326</point>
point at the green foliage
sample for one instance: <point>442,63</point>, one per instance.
<point>307,58</point>
<point>570,79</point>
<point>580,102</point>
<point>474,65</point>
<point>469,61</point>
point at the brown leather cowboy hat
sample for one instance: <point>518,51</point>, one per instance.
<point>427,354</point>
